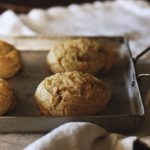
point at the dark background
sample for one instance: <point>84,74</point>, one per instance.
<point>23,6</point>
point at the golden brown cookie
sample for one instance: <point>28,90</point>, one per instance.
<point>7,100</point>
<point>77,54</point>
<point>72,94</point>
<point>10,61</point>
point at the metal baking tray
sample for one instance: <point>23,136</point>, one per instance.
<point>124,112</point>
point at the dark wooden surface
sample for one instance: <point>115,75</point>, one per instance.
<point>23,6</point>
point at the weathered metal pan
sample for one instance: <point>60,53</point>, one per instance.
<point>125,111</point>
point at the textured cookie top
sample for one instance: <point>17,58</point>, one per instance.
<point>80,54</point>
<point>10,60</point>
<point>7,101</point>
<point>5,48</point>
<point>5,89</point>
<point>75,89</point>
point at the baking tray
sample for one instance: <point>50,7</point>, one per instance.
<point>124,112</point>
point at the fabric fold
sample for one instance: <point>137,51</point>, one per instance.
<point>87,136</point>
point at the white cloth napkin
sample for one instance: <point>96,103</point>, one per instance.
<point>12,25</point>
<point>123,17</point>
<point>86,136</point>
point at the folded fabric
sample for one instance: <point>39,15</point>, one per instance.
<point>87,136</point>
<point>121,17</point>
<point>12,25</point>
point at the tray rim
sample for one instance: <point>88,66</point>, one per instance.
<point>125,41</point>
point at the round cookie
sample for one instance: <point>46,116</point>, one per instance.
<point>10,61</point>
<point>7,100</point>
<point>77,54</point>
<point>72,94</point>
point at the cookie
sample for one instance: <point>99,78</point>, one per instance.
<point>72,94</point>
<point>10,61</point>
<point>7,99</point>
<point>77,54</point>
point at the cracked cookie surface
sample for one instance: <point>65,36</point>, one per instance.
<point>77,54</point>
<point>10,61</point>
<point>7,100</point>
<point>72,94</point>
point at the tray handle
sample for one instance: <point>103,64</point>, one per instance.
<point>142,75</point>
<point>136,59</point>
<point>141,54</point>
